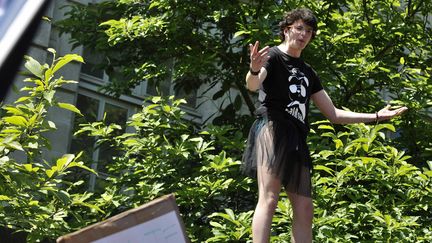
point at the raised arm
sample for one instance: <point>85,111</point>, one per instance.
<point>257,73</point>
<point>338,116</point>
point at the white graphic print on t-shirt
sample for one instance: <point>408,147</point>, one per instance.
<point>298,84</point>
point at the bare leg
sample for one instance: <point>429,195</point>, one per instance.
<point>268,194</point>
<point>302,218</point>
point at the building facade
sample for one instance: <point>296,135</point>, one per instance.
<point>87,97</point>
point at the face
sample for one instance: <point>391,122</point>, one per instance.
<point>298,35</point>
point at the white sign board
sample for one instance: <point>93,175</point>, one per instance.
<point>163,229</point>
<point>155,222</point>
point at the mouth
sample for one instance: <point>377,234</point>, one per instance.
<point>301,41</point>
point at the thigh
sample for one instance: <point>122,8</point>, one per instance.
<point>302,205</point>
<point>269,185</point>
<point>300,182</point>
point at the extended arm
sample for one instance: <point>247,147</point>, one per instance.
<point>338,116</point>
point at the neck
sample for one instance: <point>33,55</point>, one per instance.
<point>285,47</point>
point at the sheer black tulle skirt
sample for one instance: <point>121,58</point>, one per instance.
<point>279,146</point>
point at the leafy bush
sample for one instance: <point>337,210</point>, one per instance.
<point>168,154</point>
<point>34,197</point>
<point>364,190</point>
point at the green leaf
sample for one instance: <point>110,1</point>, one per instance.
<point>324,168</point>
<point>240,33</point>
<point>52,125</point>
<point>16,120</point>
<point>34,203</point>
<point>338,143</point>
<point>50,172</point>
<point>82,166</point>
<point>15,145</point>
<point>156,99</point>
<point>28,167</point>
<point>384,69</point>
<point>63,196</point>
<point>34,67</point>
<point>216,224</point>
<point>327,127</point>
<point>22,99</point>
<point>385,126</point>
<point>326,153</point>
<point>4,198</point>
<point>48,74</point>
<point>70,107</point>
<point>49,96</point>
<point>92,206</point>
<point>14,110</point>
<point>64,161</point>
<point>375,21</point>
<point>405,169</point>
<point>66,59</point>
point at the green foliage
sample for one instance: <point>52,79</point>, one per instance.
<point>365,189</point>
<point>373,49</point>
<point>34,197</point>
<point>236,228</point>
<point>167,154</point>
<point>364,49</point>
<point>191,43</point>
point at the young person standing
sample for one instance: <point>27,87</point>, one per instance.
<point>277,153</point>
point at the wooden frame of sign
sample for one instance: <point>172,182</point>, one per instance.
<point>157,221</point>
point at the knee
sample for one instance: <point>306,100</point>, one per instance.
<point>302,207</point>
<point>304,210</point>
<point>269,202</point>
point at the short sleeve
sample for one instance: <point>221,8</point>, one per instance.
<point>270,62</point>
<point>316,86</point>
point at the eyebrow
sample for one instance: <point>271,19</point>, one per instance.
<point>304,26</point>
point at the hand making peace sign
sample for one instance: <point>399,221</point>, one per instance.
<point>258,58</point>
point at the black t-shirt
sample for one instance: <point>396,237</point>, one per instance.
<point>288,86</point>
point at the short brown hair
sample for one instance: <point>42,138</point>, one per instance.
<point>292,16</point>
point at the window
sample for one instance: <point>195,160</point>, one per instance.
<point>93,73</point>
<point>94,105</point>
<point>191,97</point>
<point>94,110</point>
<point>90,67</point>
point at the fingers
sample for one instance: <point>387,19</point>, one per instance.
<point>385,113</point>
<point>258,57</point>
<point>386,108</point>
<point>397,110</point>
<point>253,48</point>
<point>401,110</point>
<point>261,55</point>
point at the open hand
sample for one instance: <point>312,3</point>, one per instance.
<point>385,113</point>
<point>258,58</point>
